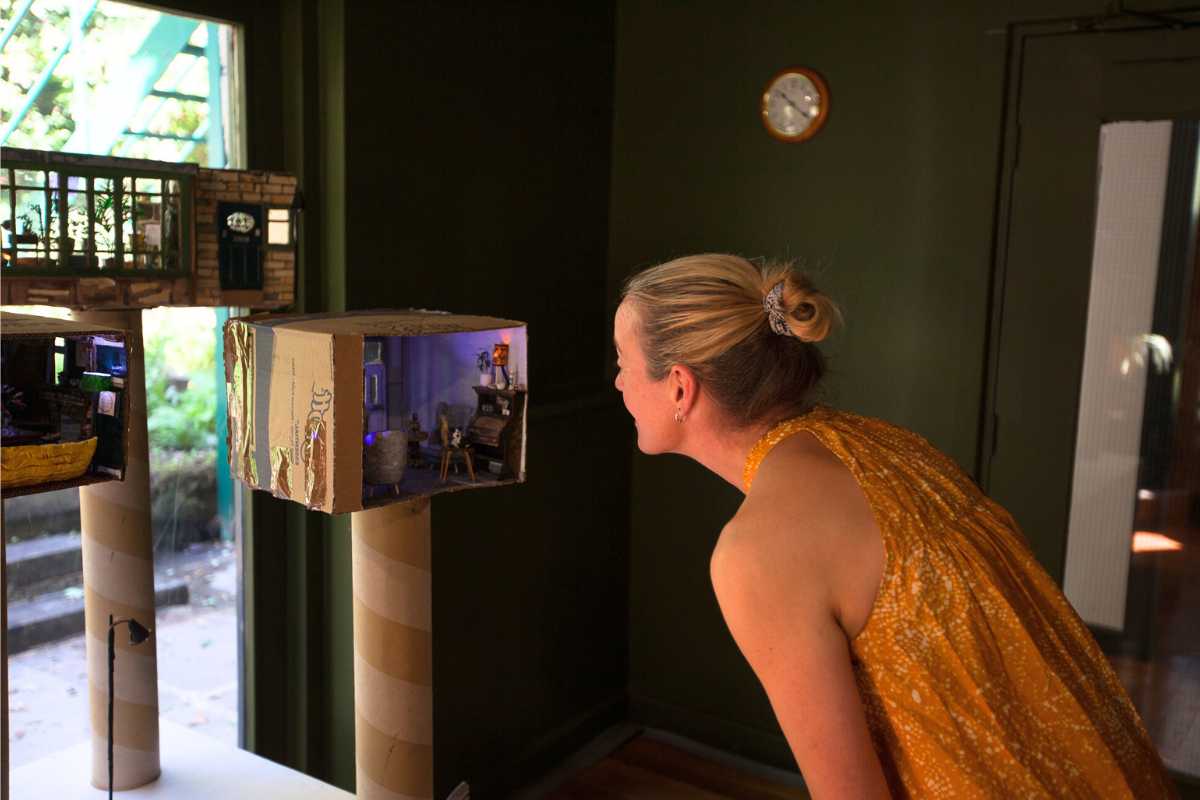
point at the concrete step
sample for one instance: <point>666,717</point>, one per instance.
<point>57,616</point>
<point>36,560</point>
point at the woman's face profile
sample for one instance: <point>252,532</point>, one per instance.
<point>647,401</point>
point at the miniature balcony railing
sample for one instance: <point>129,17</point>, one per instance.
<point>63,220</point>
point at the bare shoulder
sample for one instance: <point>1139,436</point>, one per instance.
<point>806,533</point>
<point>790,575</point>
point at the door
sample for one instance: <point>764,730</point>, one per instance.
<point>1095,282</point>
<point>240,226</point>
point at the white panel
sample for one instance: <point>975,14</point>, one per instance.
<point>1129,216</point>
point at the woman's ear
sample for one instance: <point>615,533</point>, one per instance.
<point>684,387</point>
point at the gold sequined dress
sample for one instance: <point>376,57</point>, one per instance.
<point>977,677</point>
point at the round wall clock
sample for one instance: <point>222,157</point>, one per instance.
<point>795,104</point>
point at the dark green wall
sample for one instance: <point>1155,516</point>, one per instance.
<point>455,156</point>
<point>477,157</point>
<point>892,204</point>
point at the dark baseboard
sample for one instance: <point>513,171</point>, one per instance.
<point>610,741</point>
<point>754,744</point>
<point>541,758</point>
<point>784,776</point>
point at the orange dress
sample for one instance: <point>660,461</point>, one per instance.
<point>977,677</point>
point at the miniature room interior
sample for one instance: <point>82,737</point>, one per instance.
<point>63,416</point>
<point>408,227</point>
<point>455,377</point>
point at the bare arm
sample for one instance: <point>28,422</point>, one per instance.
<point>776,602</point>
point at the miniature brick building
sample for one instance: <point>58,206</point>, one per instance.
<point>102,232</point>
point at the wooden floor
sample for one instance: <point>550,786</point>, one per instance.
<point>648,770</point>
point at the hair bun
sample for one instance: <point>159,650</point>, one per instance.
<point>730,321</point>
<point>811,315</point>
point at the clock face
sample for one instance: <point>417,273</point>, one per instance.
<point>795,104</point>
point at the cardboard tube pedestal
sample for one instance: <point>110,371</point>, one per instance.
<point>393,652</point>
<point>118,579</point>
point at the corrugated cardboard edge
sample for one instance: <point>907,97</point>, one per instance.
<point>424,322</point>
<point>53,486</point>
<point>347,422</point>
<point>392,498</point>
<point>31,326</point>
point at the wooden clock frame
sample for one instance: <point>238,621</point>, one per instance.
<point>816,124</point>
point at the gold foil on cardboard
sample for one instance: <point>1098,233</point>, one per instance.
<point>239,375</point>
<point>312,451</point>
<point>281,472</point>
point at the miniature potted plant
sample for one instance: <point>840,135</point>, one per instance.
<point>106,224</point>
<point>484,364</point>
<point>26,236</point>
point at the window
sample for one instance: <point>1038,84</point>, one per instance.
<point>279,227</point>
<point>114,79</point>
<point>92,219</point>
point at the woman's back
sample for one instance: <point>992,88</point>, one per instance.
<point>977,677</point>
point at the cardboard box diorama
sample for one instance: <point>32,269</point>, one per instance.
<point>65,408</point>
<point>88,231</point>
<point>356,410</point>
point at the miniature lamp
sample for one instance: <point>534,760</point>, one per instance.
<point>500,359</point>
<point>500,355</point>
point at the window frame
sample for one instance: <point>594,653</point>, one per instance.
<point>62,268</point>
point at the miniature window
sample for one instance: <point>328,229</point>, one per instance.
<point>92,219</point>
<point>279,227</point>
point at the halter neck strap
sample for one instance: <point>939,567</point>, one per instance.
<point>775,436</point>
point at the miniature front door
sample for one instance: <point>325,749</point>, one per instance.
<point>241,245</point>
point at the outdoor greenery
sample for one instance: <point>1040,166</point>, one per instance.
<point>181,390</point>
<point>181,407</point>
<point>183,497</point>
<point>181,380</point>
<point>112,34</point>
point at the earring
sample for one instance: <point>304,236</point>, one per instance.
<point>677,417</point>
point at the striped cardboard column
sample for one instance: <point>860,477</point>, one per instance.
<point>393,652</point>
<point>118,579</point>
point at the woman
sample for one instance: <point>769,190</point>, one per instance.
<point>908,640</point>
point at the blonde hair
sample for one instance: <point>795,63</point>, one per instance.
<point>706,312</point>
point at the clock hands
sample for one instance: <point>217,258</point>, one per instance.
<point>794,104</point>
<point>788,100</point>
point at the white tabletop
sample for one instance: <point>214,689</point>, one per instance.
<point>194,767</point>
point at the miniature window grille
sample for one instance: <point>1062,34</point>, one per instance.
<point>279,227</point>
<point>93,220</point>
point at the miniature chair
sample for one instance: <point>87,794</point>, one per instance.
<point>453,451</point>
